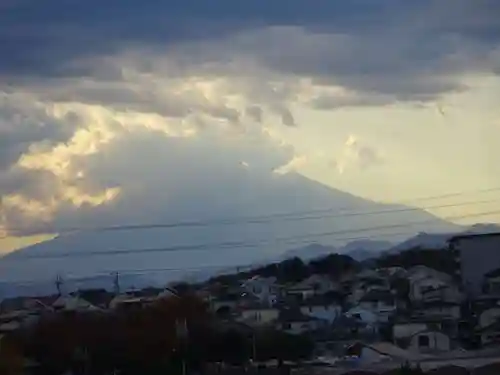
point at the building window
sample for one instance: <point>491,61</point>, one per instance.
<point>423,341</point>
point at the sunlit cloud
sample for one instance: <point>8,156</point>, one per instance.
<point>293,165</point>
<point>245,84</point>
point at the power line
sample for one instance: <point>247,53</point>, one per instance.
<point>222,268</point>
<point>244,244</point>
<point>339,212</point>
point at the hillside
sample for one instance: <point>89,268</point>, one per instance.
<point>219,244</point>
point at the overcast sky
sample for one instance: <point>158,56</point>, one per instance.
<point>105,101</point>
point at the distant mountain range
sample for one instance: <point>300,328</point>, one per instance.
<point>366,249</point>
<point>259,218</point>
<point>439,240</point>
<point>360,250</point>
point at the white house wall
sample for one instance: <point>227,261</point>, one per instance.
<point>401,331</point>
<point>488,317</point>
<point>437,342</point>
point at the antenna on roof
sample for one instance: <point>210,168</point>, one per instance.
<point>59,283</point>
<point>116,283</point>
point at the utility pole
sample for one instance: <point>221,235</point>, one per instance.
<point>59,283</point>
<point>182,333</point>
<point>254,348</point>
<point>116,283</point>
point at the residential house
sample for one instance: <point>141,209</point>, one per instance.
<point>10,323</point>
<point>489,325</point>
<point>405,330</point>
<point>489,316</point>
<point>491,284</point>
<point>134,299</point>
<point>379,352</point>
<point>438,310</point>
<point>99,298</point>
<point>370,282</point>
<point>392,272</point>
<point>344,328</point>
<point>257,314</point>
<point>292,321</point>
<point>314,285</point>
<point>225,302</point>
<point>429,341</point>
<point>322,307</point>
<point>264,288</point>
<point>368,319</point>
<point>490,335</point>
<point>22,312</point>
<point>367,274</point>
<point>73,303</point>
<point>428,285</point>
<point>476,255</point>
<point>381,303</point>
<point>27,304</point>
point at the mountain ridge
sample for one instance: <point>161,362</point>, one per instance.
<point>263,194</point>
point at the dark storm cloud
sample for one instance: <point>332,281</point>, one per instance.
<point>22,126</point>
<point>45,37</point>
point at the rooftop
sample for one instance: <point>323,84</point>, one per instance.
<point>494,273</point>
<point>472,236</point>
<point>326,299</point>
<point>377,295</point>
<point>294,315</point>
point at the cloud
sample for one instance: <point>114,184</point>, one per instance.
<point>80,86</point>
<point>287,117</point>
<point>356,154</point>
<point>292,165</point>
<point>57,176</point>
<point>397,49</point>
<point>255,113</point>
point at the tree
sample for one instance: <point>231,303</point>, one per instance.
<point>439,260</point>
<point>140,341</point>
<point>273,344</point>
<point>11,358</point>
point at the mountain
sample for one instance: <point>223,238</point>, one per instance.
<point>365,249</point>
<point>436,241</point>
<point>309,252</point>
<point>214,228</point>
